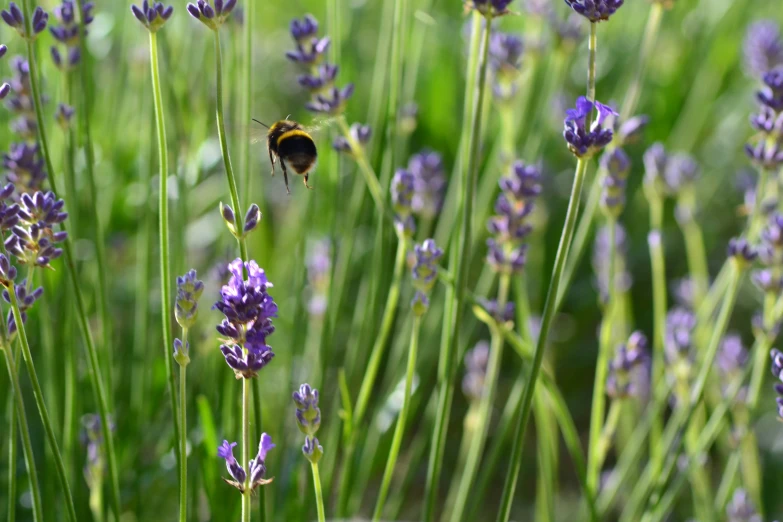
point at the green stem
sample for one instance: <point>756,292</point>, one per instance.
<point>605,441</point>
<point>694,249</point>
<point>605,350</point>
<point>247,92</point>
<point>24,430</point>
<point>12,456</point>
<point>183,436</point>
<point>524,407</point>
<point>402,418</point>
<point>399,39</point>
<point>41,404</point>
<point>368,382</point>
<point>454,293</point>
<point>163,225</point>
<point>591,48</point>
<point>232,183</point>
<point>246,498</point>
<point>657,260</point>
<point>319,495</point>
<point>100,243</point>
<point>479,436</point>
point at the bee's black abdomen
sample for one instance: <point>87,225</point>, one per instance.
<point>298,151</point>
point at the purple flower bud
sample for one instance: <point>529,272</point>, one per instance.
<point>228,215</point>
<point>631,130</point>
<point>491,8</point>
<point>584,142</point>
<point>226,452</point>
<point>3,50</point>
<point>189,290</point>
<point>312,449</point>
<point>741,250</point>
<point>252,217</point>
<point>425,269</point>
<point>4,90</point>
<point>595,10</point>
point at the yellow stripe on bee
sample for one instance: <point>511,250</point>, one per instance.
<point>291,134</point>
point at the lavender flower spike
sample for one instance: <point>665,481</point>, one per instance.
<point>153,15</point>
<point>763,47</point>
<point>308,415</point>
<point>402,190</point>
<point>582,141</point>
<point>595,10</point>
<point>189,290</point>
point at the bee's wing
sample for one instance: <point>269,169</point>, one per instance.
<point>321,123</point>
<point>256,134</point>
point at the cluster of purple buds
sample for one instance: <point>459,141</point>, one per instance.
<point>489,8</point>
<point>764,54</point>
<point>15,19</point>
<point>360,136</point>
<point>626,370</point>
<point>567,32</point>
<point>248,309</point>
<point>617,165</point>
<point>731,359</point>
<point>153,15</point>
<point>630,131</point>
<point>64,115</point>
<point>256,466</point>
<point>25,300</point>
<point>319,265</point>
<point>621,278</point>
<point>308,418</point>
<point>741,508</point>
<point>595,10</point>
<point>763,47</point>
<point>5,87</point>
<point>212,17</point>
<point>320,78</point>
<point>505,57</point>
<point>425,274</point>
<point>586,141</point>
<point>476,361</point>
<point>678,343</point>
<point>668,174</point>
<point>33,240</point>
<point>189,290</point>
<point>429,183</point>
<point>91,437</point>
<point>9,210</point>
<point>510,225</point>
<point>501,315</point>
<point>24,166</point>
<point>21,101</point>
<point>402,191</point>
<point>741,251</point>
<point>252,217</point>
<point>68,33</point>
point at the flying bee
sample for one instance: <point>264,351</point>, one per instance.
<point>289,142</point>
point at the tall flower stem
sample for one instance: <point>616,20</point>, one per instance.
<point>370,178</point>
<point>246,391</point>
<point>319,494</point>
<point>100,246</point>
<point>607,434</point>
<point>41,404</point>
<point>12,452</point>
<point>402,418</point>
<point>657,260</point>
<point>459,258</point>
<point>595,459</point>
<point>183,437</point>
<point>163,225</point>
<point>523,408</point>
<point>398,41</point>
<point>628,107</point>
<point>591,49</point>
<point>479,436</point>
<point>232,183</point>
<point>24,431</point>
<point>247,93</point>
<point>694,246</point>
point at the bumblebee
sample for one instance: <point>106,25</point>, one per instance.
<point>289,142</point>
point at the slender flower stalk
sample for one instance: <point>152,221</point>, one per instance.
<point>308,419</point>
<point>584,138</point>
<point>24,431</point>
<point>12,294</point>
<point>154,21</point>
